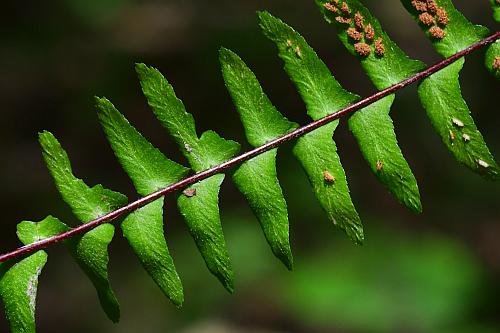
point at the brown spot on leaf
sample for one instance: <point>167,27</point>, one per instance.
<point>452,136</point>
<point>369,32</point>
<point>380,165</point>
<point>379,47</point>
<point>190,192</point>
<point>426,19</point>
<point>437,32</point>
<point>328,177</point>
<point>354,34</point>
<point>362,49</point>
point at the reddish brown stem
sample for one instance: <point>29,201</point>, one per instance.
<point>27,249</point>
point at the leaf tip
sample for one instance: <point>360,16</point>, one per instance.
<point>100,101</point>
<point>226,277</point>
<point>287,259</point>
<point>178,299</point>
<point>225,55</point>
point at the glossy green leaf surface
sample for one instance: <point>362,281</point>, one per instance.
<point>31,232</point>
<point>317,151</point>
<point>200,209</point>
<point>19,282</point>
<point>18,290</point>
<point>91,249</point>
<point>149,170</point>
<point>257,179</point>
<point>451,118</point>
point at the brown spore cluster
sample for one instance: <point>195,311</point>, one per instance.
<point>362,49</point>
<point>362,35</point>
<point>328,177</point>
<point>379,47</point>
<point>496,63</point>
<point>354,34</point>
<point>369,32</point>
<point>432,16</point>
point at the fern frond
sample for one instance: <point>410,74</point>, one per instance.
<point>209,155</point>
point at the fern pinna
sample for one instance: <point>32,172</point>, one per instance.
<point>387,66</point>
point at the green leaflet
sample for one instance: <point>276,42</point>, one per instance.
<point>149,170</point>
<point>317,151</point>
<point>492,59</point>
<point>30,232</point>
<point>440,94</point>
<point>451,118</point>
<point>384,70</point>
<point>372,127</point>
<point>257,179</point>
<point>18,289</point>
<point>91,249</point>
<point>199,204</point>
<point>495,6</point>
<point>459,33</point>
<point>18,284</point>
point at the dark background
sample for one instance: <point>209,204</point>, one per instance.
<point>435,272</point>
